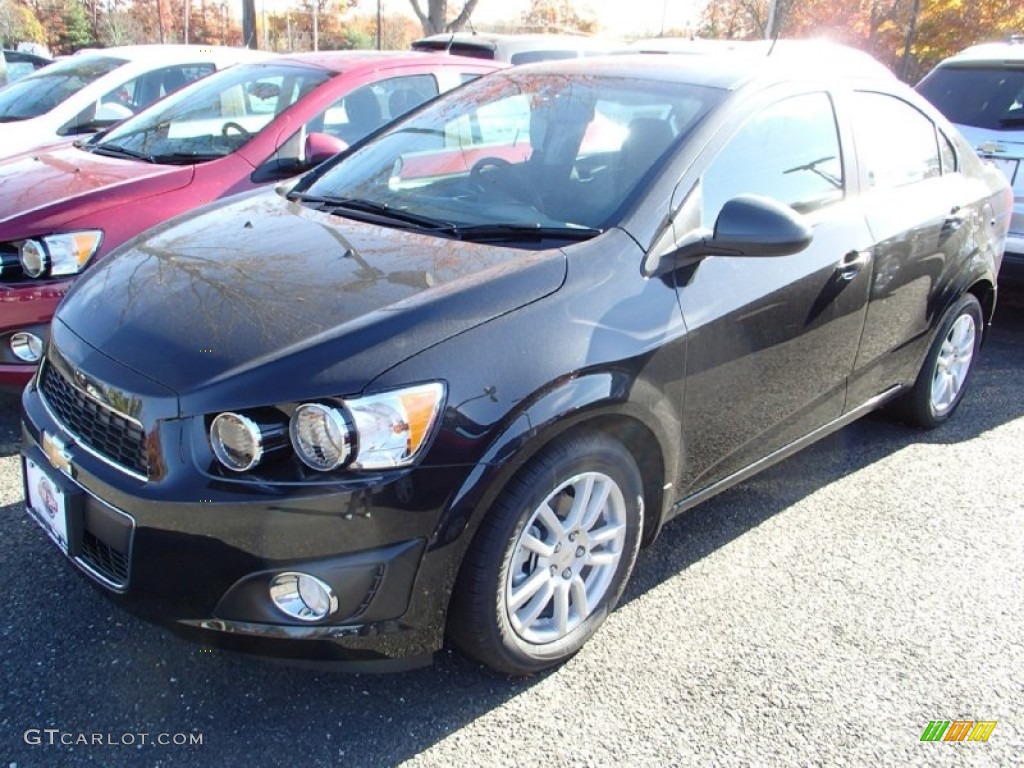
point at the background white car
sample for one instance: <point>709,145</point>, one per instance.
<point>981,91</point>
<point>90,91</point>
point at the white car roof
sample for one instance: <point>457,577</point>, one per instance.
<point>161,55</point>
<point>990,52</point>
<point>138,60</point>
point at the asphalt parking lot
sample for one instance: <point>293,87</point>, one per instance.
<point>822,613</point>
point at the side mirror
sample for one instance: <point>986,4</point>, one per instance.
<point>322,146</point>
<point>747,225</point>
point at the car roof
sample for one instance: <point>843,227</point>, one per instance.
<point>344,61</point>
<point>13,55</point>
<point>731,69</point>
<point>1010,53</point>
<point>505,45</point>
<point>171,54</point>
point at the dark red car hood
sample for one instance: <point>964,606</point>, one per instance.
<point>39,189</point>
<point>258,299</point>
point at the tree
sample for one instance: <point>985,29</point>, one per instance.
<point>18,24</point>
<point>910,36</point>
<point>66,24</point>
<point>556,16</point>
<point>435,19</point>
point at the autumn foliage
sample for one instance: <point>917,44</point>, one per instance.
<point>910,36</point>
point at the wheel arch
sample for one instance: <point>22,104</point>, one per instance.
<point>985,292</point>
<point>633,411</point>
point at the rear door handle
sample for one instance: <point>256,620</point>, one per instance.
<point>852,263</point>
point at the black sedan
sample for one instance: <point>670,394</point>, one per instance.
<point>449,383</point>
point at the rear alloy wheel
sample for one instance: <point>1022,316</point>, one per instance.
<point>941,384</point>
<point>552,558</point>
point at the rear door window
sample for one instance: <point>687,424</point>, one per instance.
<point>898,143</point>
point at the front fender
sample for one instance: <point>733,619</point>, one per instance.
<point>614,401</point>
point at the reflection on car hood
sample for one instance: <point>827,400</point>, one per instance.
<point>259,297</point>
<point>35,186</point>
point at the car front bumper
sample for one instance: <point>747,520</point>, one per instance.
<point>198,556</point>
<point>24,307</point>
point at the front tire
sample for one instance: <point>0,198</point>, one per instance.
<point>943,378</point>
<point>552,557</point>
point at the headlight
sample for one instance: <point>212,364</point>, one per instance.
<point>59,255</point>
<point>374,432</point>
<point>321,436</point>
<point>392,427</point>
<point>240,442</point>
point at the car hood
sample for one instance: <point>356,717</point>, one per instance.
<point>257,299</point>
<point>40,188</point>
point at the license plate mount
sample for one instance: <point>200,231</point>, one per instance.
<point>54,502</point>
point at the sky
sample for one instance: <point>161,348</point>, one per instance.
<point>627,18</point>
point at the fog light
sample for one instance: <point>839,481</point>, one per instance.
<point>27,346</point>
<point>303,597</point>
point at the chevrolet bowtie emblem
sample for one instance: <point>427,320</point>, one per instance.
<point>57,453</point>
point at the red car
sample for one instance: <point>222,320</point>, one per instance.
<point>253,124</point>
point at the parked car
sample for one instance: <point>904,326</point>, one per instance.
<point>92,90</point>
<point>19,64</point>
<point>453,379</point>
<point>516,49</point>
<point>981,91</point>
<point>66,208</point>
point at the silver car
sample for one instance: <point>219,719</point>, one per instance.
<point>981,90</point>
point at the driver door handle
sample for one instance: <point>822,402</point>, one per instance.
<point>852,263</point>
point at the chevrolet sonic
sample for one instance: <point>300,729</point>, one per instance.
<point>449,383</point>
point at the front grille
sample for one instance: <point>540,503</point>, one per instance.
<point>96,426</point>
<point>104,559</point>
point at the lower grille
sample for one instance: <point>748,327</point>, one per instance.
<point>97,427</point>
<point>104,559</point>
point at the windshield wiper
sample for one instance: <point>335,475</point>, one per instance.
<point>12,118</point>
<point>115,150</point>
<point>518,232</point>
<point>813,168</point>
<point>186,158</point>
<point>378,212</point>
<point>1006,122</point>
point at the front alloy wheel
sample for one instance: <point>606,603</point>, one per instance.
<point>566,558</point>
<point>551,558</point>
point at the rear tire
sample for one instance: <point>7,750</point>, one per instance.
<point>943,378</point>
<point>552,558</point>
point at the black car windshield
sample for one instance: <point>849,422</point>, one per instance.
<point>214,116</point>
<point>39,93</point>
<point>980,96</point>
<point>520,150</point>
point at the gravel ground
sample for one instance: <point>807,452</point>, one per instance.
<point>820,614</point>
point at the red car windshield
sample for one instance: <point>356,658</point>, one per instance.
<point>213,117</point>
